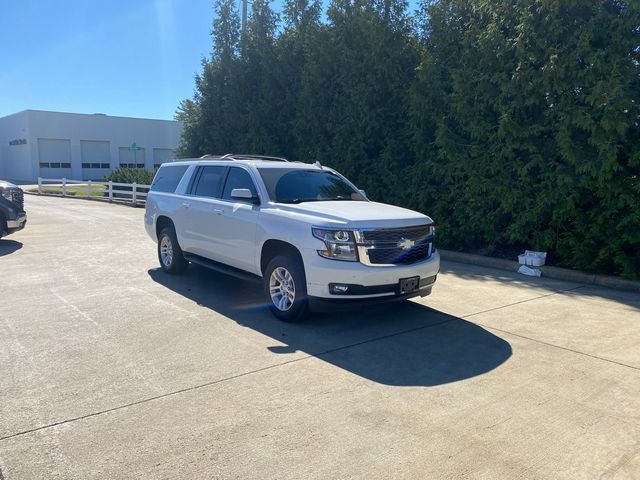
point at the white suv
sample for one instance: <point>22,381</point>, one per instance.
<point>308,234</point>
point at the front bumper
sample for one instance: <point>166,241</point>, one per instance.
<point>344,302</point>
<point>377,281</point>
<point>17,224</point>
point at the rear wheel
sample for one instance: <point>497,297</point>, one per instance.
<point>169,253</point>
<point>286,288</point>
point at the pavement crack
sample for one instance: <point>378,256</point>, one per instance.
<point>558,346</point>
<point>542,341</point>
<point>612,470</point>
<point>222,380</point>
<point>523,301</point>
<point>498,423</point>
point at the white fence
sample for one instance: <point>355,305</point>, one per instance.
<point>134,193</point>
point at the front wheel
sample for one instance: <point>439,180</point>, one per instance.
<point>169,252</point>
<point>286,288</point>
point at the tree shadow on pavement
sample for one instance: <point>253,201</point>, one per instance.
<point>7,247</point>
<point>400,344</point>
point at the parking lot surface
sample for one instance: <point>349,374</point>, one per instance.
<point>111,369</point>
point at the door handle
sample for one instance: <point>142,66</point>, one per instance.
<point>186,204</point>
<point>218,211</point>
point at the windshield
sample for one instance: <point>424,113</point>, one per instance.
<point>296,186</point>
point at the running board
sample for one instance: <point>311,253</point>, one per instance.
<point>222,268</point>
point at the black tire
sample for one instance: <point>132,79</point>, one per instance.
<point>299,308</point>
<point>175,262</point>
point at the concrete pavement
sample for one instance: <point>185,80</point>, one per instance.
<point>111,369</point>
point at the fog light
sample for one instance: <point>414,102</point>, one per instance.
<point>338,288</point>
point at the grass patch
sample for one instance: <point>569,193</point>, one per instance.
<point>78,190</point>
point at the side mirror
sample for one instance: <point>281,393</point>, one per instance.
<point>243,194</point>
<point>364,194</point>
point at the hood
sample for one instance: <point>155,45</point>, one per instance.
<point>4,184</point>
<point>357,214</point>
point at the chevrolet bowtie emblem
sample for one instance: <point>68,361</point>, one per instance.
<point>406,244</point>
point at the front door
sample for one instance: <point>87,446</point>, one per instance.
<point>201,211</point>
<point>238,220</point>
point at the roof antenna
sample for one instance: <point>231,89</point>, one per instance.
<point>317,164</point>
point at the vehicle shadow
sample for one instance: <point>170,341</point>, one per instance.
<point>9,246</point>
<point>400,344</point>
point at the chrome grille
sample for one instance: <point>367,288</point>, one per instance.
<point>17,197</point>
<point>394,235</point>
<point>385,246</point>
<point>398,255</point>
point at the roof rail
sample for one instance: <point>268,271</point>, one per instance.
<point>244,156</point>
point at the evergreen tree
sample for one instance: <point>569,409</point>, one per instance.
<point>524,115</point>
<point>515,123</point>
<point>211,119</point>
<point>359,95</point>
<point>298,47</point>
<point>259,80</point>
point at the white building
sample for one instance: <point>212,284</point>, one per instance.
<point>78,146</point>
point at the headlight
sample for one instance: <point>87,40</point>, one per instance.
<point>341,244</point>
<point>6,193</point>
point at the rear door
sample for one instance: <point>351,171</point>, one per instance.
<point>162,199</point>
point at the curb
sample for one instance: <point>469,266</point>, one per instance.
<point>547,271</point>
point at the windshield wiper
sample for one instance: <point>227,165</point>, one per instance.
<point>334,199</point>
<point>299,200</point>
<point>339,198</point>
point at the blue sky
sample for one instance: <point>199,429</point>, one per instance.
<point>131,58</point>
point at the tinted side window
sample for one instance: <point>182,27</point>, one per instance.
<point>238,178</point>
<point>168,178</point>
<point>210,182</point>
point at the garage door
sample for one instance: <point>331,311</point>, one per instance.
<point>96,159</point>
<point>54,156</point>
<point>161,155</point>
<point>131,158</point>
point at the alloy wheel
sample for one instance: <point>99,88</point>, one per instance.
<point>282,289</point>
<point>166,251</point>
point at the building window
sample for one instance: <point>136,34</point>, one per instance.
<point>96,165</point>
<point>132,165</point>
<point>54,165</point>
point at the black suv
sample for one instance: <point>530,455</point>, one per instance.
<point>12,214</point>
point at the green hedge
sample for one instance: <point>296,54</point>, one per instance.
<point>130,175</point>
<point>515,124</point>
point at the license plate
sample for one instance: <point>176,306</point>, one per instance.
<point>408,285</point>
